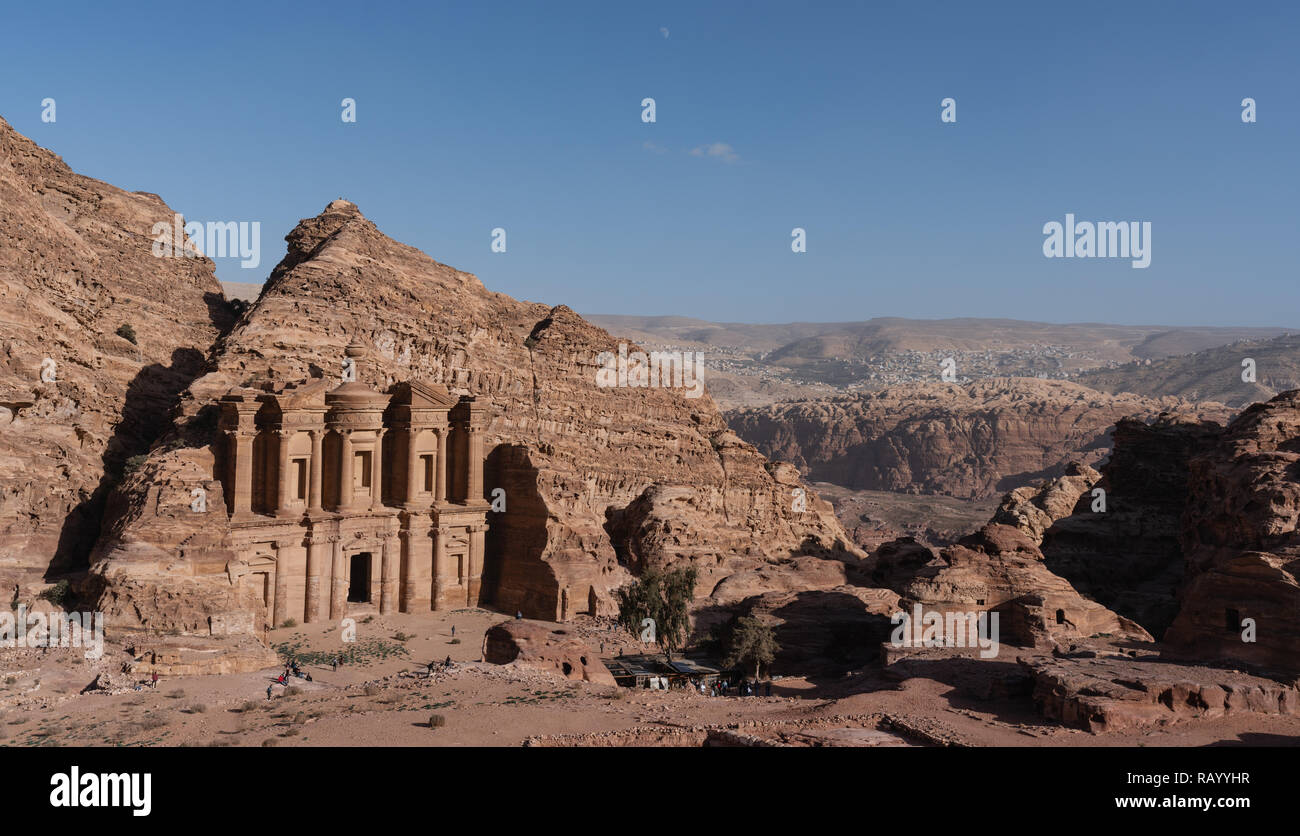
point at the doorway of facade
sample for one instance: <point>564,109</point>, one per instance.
<point>359,579</point>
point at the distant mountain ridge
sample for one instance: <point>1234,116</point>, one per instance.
<point>1214,374</point>
<point>855,340</point>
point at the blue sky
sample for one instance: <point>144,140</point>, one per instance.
<point>527,116</point>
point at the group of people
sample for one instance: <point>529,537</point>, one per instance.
<point>295,670</point>
<point>723,688</point>
<point>153,682</point>
<point>445,664</point>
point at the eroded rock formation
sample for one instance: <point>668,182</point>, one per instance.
<point>1115,694</point>
<point>1241,544</point>
<point>1033,509</point>
<point>547,647</point>
<point>596,481</point>
<point>967,441</point>
<point>1001,569</point>
<point>98,336</point>
<point>1127,556</point>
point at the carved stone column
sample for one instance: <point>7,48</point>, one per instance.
<point>412,483</point>
<point>406,572</point>
<point>347,490</point>
<point>474,445</point>
<point>317,445</point>
<point>282,481</point>
<point>280,611</point>
<point>388,575</point>
<point>338,581</point>
<point>477,539</point>
<point>243,473</point>
<point>377,471</point>
<point>311,608</point>
<point>440,472</point>
<point>439,566</point>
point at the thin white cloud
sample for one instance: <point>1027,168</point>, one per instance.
<point>654,147</point>
<point>663,30</point>
<point>718,151</point>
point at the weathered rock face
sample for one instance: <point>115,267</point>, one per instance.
<point>597,480</point>
<point>967,441</point>
<point>1241,544</point>
<point>1000,569</point>
<point>826,631</point>
<point>1113,694</point>
<point>1033,509</point>
<point>547,647</point>
<point>76,266</point>
<point>1128,557</point>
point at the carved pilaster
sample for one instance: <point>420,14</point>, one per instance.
<point>338,581</point>
<point>440,472</point>
<point>314,494</point>
<point>283,492</point>
<point>390,555</point>
<point>377,472</point>
<point>347,487</point>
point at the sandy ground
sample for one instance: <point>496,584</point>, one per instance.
<point>385,698</point>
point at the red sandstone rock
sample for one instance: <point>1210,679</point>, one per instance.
<point>77,265</point>
<point>967,441</point>
<point>1001,569</point>
<point>1128,557</point>
<point>548,647</point>
<point>1241,542</point>
<point>598,481</point>
<point>1112,694</point>
<point>1033,509</point>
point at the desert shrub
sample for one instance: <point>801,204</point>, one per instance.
<point>437,721</point>
<point>126,332</point>
<point>373,690</point>
<point>403,637</point>
<point>454,641</point>
<point>177,694</point>
<point>58,593</point>
<point>198,708</point>
<point>292,691</point>
<point>270,741</point>
<point>289,622</point>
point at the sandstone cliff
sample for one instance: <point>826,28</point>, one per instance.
<point>1241,544</point>
<point>77,273</point>
<point>597,480</point>
<point>1128,554</point>
<point>1000,569</point>
<point>967,441</point>
<point>1033,509</point>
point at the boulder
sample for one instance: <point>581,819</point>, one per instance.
<point>544,646</point>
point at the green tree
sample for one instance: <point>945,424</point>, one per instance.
<point>750,642</point>
<point>664,598</point>
<point>126,332</point>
